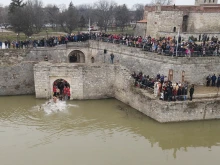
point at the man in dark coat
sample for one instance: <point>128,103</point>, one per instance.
<point>213,80</point>
<point>191,92</point>
<point>112,58</point>
<point>208,78</point>
<point>218,81</point>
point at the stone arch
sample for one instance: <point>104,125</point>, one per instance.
<point>60,84</point>
<point>76,56</point>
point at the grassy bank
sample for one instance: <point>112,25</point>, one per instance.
<point>11,36</point>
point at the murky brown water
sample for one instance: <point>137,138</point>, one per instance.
<point>102,132</point>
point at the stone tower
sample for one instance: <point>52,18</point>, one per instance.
<point>200,2</point>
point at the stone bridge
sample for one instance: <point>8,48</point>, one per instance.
<point>74,52</point>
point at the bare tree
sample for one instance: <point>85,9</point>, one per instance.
<point>88,12</point>
<point>82,22</point>
<point>38,14</point>
<point>51,14</point>
<point>139,11</point>
<point>16,15</point>
<point>104,13</point>
<point>122,16</point>
<point>4,16</point>
<point>162,2</point>
<point>62,7</point>
<point>68,19</point>
<point>21,21</point>
<point>15,4</point>
<point>28,18</point>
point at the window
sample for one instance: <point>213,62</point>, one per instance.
<point>174,29</point>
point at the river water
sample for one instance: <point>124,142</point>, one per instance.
<point>99,132</point>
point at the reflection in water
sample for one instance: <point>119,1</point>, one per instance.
<point>28,125</point>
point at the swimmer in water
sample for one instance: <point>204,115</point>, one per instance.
<point>55,99</point>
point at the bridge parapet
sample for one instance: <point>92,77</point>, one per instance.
<point>77,44</point>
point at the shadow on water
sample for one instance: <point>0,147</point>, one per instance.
<point>108,116</point>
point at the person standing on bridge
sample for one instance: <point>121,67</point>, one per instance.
<point>112,58</point>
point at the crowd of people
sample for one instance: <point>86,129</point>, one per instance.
<point>166,45</point>
<point>206,46</point>
<point>213,80</point>
<point>163,88</point>
<point>61,90</point>
<point>45,42</point>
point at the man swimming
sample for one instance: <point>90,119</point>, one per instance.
<point>54,99</point>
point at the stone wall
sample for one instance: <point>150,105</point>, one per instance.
<point>55,54</point>
<point>86,81</point>
<point>12,56</point>
<point>98,81</point>
<point>161,111</point>
<point>16,66</point>
<point>105,81</point>
<point>199,2</point>
<point>196,68</point>
<point>141,29</point>
<point>17,79</point>
<point>203,21</point>
<point>163,21</point>
<point>153,23</point>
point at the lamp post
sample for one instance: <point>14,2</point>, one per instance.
<point>17,37</point>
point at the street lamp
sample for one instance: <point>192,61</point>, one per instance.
<point>17,37</point>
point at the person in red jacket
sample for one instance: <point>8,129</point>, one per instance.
<point>54,90</point>
<point>68,92</point>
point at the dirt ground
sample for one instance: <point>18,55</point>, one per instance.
<point>206,90</point>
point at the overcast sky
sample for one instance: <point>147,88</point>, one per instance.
<point>129,3</point>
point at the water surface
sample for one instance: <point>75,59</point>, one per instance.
<point>99,132</point>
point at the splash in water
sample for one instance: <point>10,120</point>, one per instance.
<point>51,107</point>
